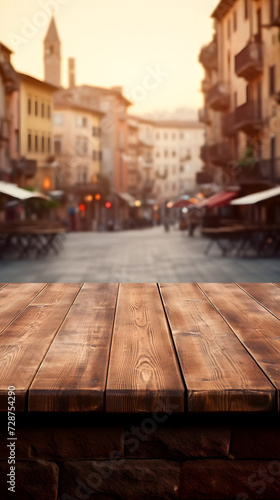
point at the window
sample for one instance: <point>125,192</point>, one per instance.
<point>57,146</point>
<point>58,119</point>
<point>272,80</point>
<point>29,108</point>
<point>29,142</point>
<point>49,144</point>
<point>182,168</point>
<point>36,108</point>
<point>165,136</point>
<point>85,147</point>
<point>36,143</point>
<point>228,28</point>
<point>173,136</point>
<point>158,154</point>
<point>181,135</point>
<point>84,122</point>
<point>100,155</point>
<point>43,110</point>
<point>173,153</point>
<point>49,111</point>
<point>157,135</point>
<point>93,131</point>
<point>246,9</point>
<point>94,155</point>
<point>166,153</point>
<point>271,9</point>
<point>43,144</point>
<point>235,20</point>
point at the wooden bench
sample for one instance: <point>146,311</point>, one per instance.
<point>145,378</point>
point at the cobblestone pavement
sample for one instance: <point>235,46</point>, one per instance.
<point>149,255</point>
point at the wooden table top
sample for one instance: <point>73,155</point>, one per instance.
<point>140,347</point>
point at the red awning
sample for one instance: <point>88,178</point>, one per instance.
<point>182,203</point>
<point>219,200</point>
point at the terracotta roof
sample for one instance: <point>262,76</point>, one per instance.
<point>36,81</point>
<point>223,8</point>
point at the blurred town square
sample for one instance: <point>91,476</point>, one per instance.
<point>94,186</point>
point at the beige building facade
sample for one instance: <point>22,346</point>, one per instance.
<point>241,93</point>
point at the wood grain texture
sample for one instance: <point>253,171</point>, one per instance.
<point>258,329</point>
<point>73,374</point>
<point>219,373</point>
<point>14,298</point>
<point>143,371</point>
<point>25,342</point>
<point>266,293</point>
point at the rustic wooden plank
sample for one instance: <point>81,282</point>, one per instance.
<point>143,371</point>
<point>266,293</point>
<point>73,374</point>
<point>219,373</point>
<point>25,342</point>
<point>257,329</point>
<point>14,298</point>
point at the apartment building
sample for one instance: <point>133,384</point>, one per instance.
<point>8,86</point>
<point>168,157</point>
<point>177,157</point>
<point>77,145</point>
<point>241,94</point>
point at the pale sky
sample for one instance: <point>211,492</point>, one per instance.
<point>118,42</point>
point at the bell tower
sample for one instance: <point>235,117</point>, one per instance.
<point>52,55</point>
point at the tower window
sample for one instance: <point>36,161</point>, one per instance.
<point>49,112</point>
<point>43,110</point>
<point>49,144</point>
<point>36,108</point>
<point>43,144</point>
<point>36,143</point>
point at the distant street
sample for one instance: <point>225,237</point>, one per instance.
<point>149,255</point>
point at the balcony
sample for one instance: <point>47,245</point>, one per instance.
<point>205,86</point>
<point>274,13</point>
<point>218,97</point>
<point>228,125</point>
<point>24,167</point>
<point>208,56</point>
<point>204,153</point>
<point>4,130</point>
<point>262,172</point>
<point>249,62</point>
<point>219,154</point>
<point>203,116</point>
<point>248,117</point>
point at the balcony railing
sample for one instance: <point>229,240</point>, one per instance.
<point>228,125</point>
<point>218,154</point>
<point>275,13</point>
<point>24,167</point>
<point>203,116</point>
<point>208,56</point>
<point>205,86</point>
<point>248,117</point>
<point>262,172</point>
<point>218,97</point>
<point>249,62</point>
<point>4,129</point>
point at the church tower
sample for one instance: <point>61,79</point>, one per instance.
<point>52,55</point>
